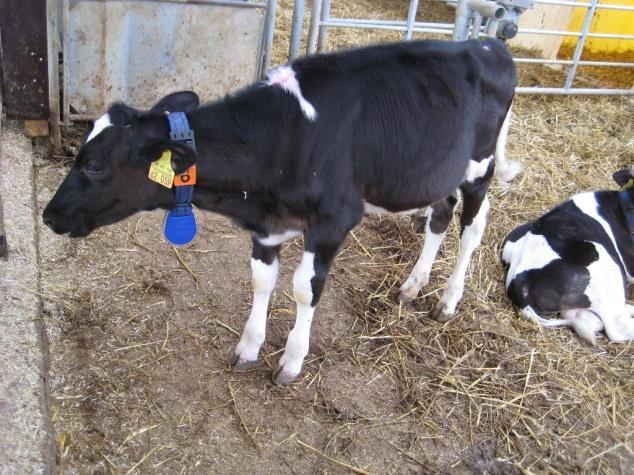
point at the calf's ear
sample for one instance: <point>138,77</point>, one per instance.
<point>183,156</point>
<point>122,115</point>
<point>622,177</point>
<point>183,101</point>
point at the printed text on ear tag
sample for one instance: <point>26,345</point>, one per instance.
<point>186,178</point>
<point>161,170</point>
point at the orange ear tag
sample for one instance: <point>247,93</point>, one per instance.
<point>186,178</point>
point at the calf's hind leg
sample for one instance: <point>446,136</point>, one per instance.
<point>472,224</point>
<point>438,217</point>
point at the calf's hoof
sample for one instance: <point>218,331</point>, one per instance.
<point>410,289</point>
<point>282,376</point>
<point>440,313</point>
<point>406,299</point>
<point>241,364</point>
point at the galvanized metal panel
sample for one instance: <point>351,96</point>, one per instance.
<point>138,51</point>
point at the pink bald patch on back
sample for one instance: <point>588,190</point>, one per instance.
<point>284,77</point>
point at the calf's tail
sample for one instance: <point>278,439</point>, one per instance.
<point>505,169</point>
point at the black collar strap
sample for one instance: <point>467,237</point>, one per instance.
<point>180,227</point>
<point>627,207</point>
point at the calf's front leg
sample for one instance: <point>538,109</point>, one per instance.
<point>320,248</point>
<point>264,266</point>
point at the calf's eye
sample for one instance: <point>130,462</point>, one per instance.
<point>92,169</point>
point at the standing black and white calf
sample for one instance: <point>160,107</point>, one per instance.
<point>395,127</point>
<point>578,261</point>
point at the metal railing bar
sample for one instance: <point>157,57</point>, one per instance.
<point>353,22</point>
<point>387,27</point>
<point>411,18</point>
<point>219,3</point>
<point>296,28</point>
<point>570,62</point>
<point>565,3</point>
<point>614,36</point>
<point>389,22</point>
<point>323,30</point>
<point>268,34</point>
<point>587,21</point>
<point>576,91</point>
<point>82,117</point>
<point>313,29</point>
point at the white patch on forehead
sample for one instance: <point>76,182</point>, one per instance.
<point>101,123</point>
<point>284,77</point>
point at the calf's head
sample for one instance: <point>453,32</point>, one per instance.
<point>109,178</point>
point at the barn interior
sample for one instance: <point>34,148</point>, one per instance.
<point>120,343</point>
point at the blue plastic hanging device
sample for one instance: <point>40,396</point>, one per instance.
<point>180,227</point>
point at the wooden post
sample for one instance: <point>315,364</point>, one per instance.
<point>52,34</point>
<point>4,246</point>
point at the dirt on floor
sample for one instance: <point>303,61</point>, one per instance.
<point>140,336</point>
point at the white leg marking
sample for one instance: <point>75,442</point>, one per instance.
<point>471,237</point>
<point>419,277</point>
<point>477,170</point>
<point>284,77</point>
<point>277,239</point>
<point>505,169</point>
<point>264,278</point>
<point>369,208</point>
<point>299,337</point>
<point>101,123</point>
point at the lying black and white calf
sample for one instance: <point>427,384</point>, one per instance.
<point>578,261</point>
<point>396,127</point>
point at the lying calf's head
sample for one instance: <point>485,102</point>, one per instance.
<point>109,179</point>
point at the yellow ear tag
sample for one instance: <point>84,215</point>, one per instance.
<point>628,185</point>
<point>161,170</point>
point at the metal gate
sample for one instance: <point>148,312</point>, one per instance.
<point>470,18</point>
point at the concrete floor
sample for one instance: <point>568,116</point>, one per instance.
<point>25,444</point>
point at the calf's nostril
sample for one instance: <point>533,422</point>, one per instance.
<point>48,220</point>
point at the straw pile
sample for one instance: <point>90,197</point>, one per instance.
<point>140,335</point>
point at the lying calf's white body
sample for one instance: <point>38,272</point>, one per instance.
<point>576,261</point>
